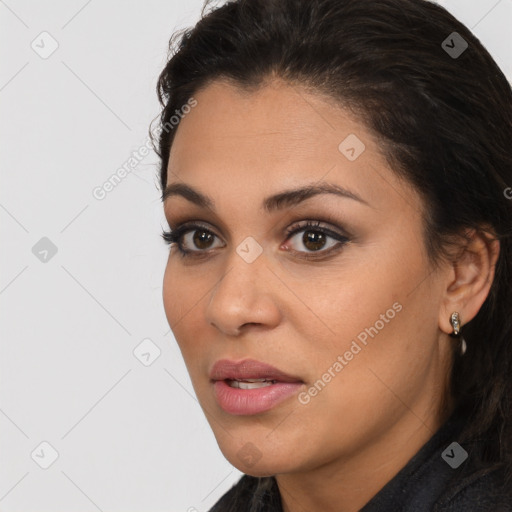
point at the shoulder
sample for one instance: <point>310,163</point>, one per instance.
<point>482,491</point>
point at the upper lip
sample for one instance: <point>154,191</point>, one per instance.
<point>248,369</point>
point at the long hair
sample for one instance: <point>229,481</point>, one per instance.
<point>443,119</point>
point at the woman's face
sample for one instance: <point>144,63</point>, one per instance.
<point>348,307</point>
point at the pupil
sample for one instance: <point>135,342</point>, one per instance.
<point>200,239</point>
<point>313,237</point>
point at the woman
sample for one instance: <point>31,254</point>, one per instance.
<point>336,175</point>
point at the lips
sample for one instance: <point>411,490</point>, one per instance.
<point>246,402</point>
<point>251,387</point>
<point>247,370</point>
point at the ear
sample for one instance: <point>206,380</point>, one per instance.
<point>469,278</point>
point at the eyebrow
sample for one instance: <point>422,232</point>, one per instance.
<point>272,203</point>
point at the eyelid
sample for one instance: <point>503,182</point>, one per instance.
<point>317,224</point>
<point>291,230</point>
<point>337,234</point>
<point>340,238</point>
<point>338,224</point>
<point>189,227</point>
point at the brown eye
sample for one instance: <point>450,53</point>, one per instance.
<point>197,239</point>
<point>314,239</point>
<point>202,239</point>
<point>191,239</point>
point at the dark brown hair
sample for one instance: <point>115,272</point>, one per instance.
<point>444,123</point>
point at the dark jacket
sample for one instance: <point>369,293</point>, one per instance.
<point>441,477</point>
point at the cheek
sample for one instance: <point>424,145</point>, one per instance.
<point>370,315</point>
<point>382,346</point>
<point>179,299</point>
<point>184,298</point>
<point>171,284</point>
<point>341,302</point>
<point>183,292</point>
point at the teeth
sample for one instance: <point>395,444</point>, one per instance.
<point>251,383</point>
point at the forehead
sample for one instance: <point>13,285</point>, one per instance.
<point>276,120</point>
<point>277,137</point>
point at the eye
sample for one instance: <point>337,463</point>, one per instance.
<point>195,240</point>
<point>315,239</point>
<point>188,236</point>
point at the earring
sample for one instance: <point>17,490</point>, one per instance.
<point>455,321</point>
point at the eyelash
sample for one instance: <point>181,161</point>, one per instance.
<point>176,235</point>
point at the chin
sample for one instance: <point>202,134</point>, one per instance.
<point>249,459</point>
<point>262,469</point>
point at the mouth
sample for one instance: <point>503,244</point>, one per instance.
<point>249,371</point>
<point>251,387</point>
<point>249,383</point>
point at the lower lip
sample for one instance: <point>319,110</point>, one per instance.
<point>253,401</point>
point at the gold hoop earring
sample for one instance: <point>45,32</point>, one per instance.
<point>455,321</point>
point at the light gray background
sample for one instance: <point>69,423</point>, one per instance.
<point>129,437</point>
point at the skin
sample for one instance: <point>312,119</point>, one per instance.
<point>336,452</point>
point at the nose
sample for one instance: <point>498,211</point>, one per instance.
<point>245,295</point>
